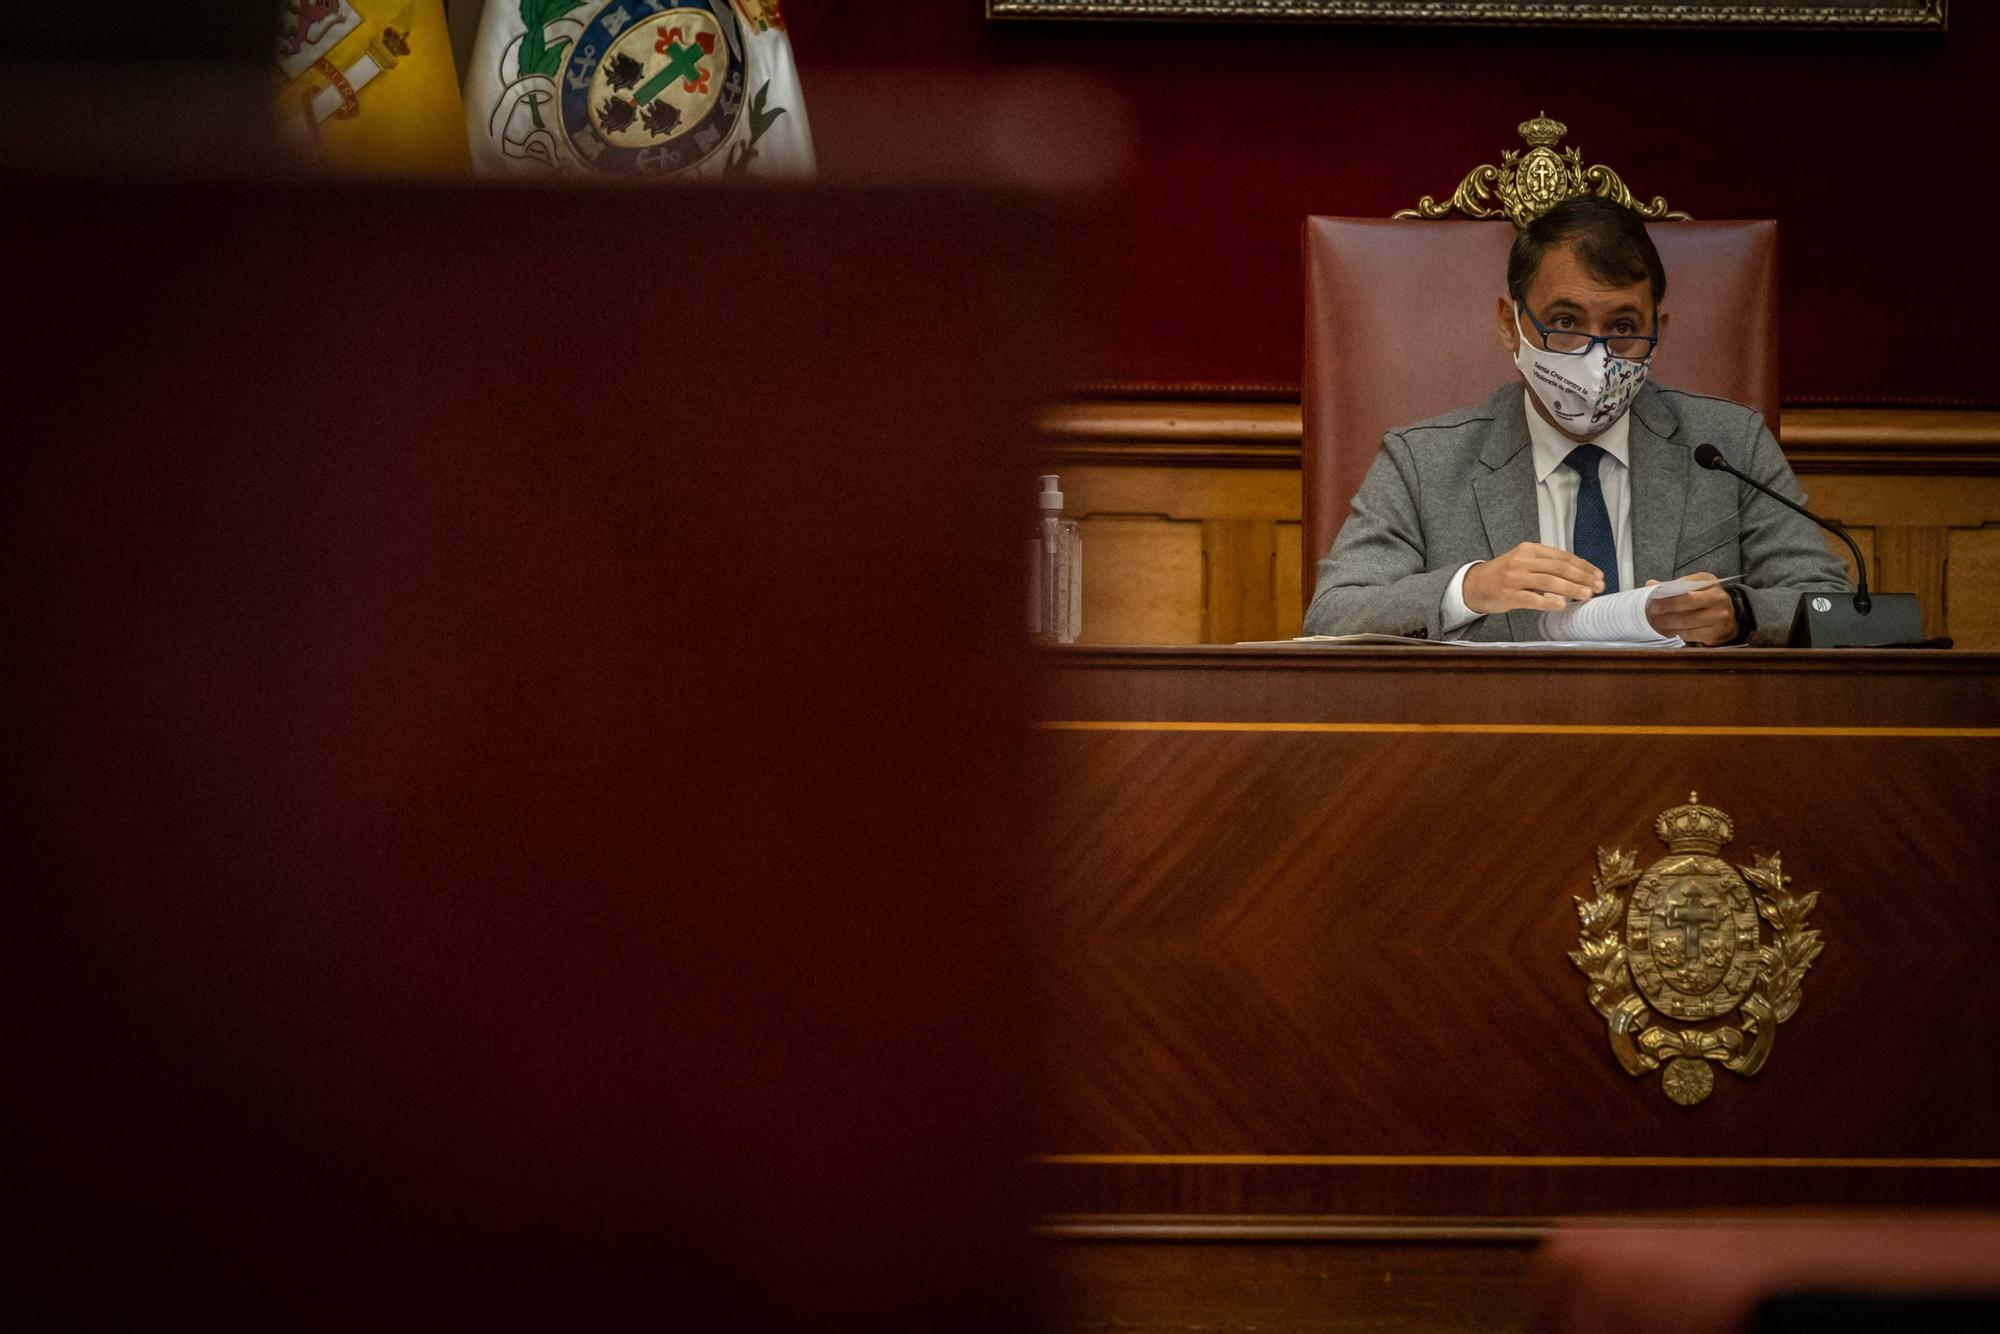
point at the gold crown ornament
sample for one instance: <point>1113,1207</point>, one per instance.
<point>1694,827</point>
<point>1541,132</point>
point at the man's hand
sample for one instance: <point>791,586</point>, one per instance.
<point>1704,616</point>
<point>1531,577</point>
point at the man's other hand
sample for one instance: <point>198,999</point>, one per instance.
<point>1704,616</point>
<point>1531,577</point>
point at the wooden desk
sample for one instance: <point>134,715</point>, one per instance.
<point>1310,915</point>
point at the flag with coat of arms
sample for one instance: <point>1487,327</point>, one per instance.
<point>369,85</point>
<point>635,89</point>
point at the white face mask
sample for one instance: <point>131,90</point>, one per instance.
<point>1584,392</point>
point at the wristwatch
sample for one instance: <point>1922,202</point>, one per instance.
<point>1746,618</point>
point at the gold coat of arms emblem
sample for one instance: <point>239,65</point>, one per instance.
<point>1717,952</point>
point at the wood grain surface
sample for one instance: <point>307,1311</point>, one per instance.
<point>1283,1289</point>
<point>1310,919</point>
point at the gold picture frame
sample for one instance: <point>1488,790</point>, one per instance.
<point>1909,16</point>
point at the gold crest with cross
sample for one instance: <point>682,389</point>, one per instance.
<point>1528,184</point>
<point>1694,963</point>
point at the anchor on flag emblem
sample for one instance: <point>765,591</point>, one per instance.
<point>690,89</point>
<point>653,89</point>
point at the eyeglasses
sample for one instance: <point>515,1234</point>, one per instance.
<point>1575,342</point>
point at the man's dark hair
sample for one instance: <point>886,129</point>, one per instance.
<point>1608,239</point>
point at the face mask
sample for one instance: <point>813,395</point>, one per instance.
<point>1585,392</point>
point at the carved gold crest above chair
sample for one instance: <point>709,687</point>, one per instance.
<point>1526,185</point>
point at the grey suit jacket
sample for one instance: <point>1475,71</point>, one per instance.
<point>1461,488</point>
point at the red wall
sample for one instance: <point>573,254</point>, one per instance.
<point>1872,151</point>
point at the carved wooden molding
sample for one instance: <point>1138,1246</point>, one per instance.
<point>1190,434</point>
<point>1892,440</point>
<point>1291,1228</point>
<point>1180,433</point>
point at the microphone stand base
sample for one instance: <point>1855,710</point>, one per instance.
<point>1829,620</point>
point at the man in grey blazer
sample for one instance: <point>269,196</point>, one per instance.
<point>1577,479</point>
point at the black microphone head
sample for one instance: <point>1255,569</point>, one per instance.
<point>1708,456</point>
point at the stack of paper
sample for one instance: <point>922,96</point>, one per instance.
<point>1612,619</point>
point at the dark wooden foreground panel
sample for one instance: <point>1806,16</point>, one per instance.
<point>1311,966</point>
<point>501,692</point>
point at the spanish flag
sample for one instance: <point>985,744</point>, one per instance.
<point>369,86</point>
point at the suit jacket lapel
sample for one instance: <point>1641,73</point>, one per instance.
<point>1506,492</point>
<point>1659,488</point>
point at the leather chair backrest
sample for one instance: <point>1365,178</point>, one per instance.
<point>1400,327</point>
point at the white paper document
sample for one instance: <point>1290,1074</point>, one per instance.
<point>1307,641</point>
<point>1610,620</point>
<point>1670,641</point>
<point>1618,618</point>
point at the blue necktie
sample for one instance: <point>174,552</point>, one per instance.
<point>1593,540</point>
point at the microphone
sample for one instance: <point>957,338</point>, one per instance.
<point>1709,457</point>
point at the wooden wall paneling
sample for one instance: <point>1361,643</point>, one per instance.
<point>1197,491</point>
<point>1182,554</point>
<point>1915,524</point>
<point>1285,587</point>
<point>1910,559</point>
<point>1238,580</point>
<point>1972,585</point>
<point>1917,488</point>
<point>1142,579</point>
<point>1961,500</point>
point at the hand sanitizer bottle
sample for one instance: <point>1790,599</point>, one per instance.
<point>1055,597</point>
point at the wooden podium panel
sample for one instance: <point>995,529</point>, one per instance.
<point>1310,914</point>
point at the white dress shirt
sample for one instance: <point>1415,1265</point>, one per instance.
<point>1555,501</point>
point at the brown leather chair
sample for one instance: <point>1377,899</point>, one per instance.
<point>1400,327</point>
